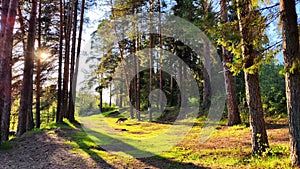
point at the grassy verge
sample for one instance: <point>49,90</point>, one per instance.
<point>228,147</point>
<point>213,153</point>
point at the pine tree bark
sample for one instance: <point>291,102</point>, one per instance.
<point>5,7</point>
<point>137,92</point>
<point>9,11</point>
<point>171,91</point>
<point>259,135</point>
<point>291,54</point>
<point>151,58</point>
<point>59,116</point>
<point>25,119</point>
<point>179,74</point>
<point>101,101</point>
<point>110,94</point>
<point>160,60</point>
<point>38,70</point>
<point>30,122</point>
<point>65,90</point>
<point>122,58</point>
<point>121,96</point>
<point>231,97</point>
<point>206,76</point>
<point>72,70</point>
<point>78,49</point>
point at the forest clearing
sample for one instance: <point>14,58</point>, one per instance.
<point>149,84</point>
<point>67,146</point>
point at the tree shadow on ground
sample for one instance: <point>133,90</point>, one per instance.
<point>82,143</point>
<point>116,145</point>
<point>276,126</point>
<point>161,162</point>
<point>42,149</point>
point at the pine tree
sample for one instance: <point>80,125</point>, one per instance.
<point>8,17</point>
<point>291,53</point>
<point>25,121</point>
<point>250,55</point>
<point>231,97</point>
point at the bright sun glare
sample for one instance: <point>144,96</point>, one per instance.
<point>44,55</point>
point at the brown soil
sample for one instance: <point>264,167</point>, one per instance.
<point>42,150</point>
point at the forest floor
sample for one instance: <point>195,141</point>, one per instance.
<point>68,146</point>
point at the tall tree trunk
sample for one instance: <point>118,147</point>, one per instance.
<point>38,70</point>
<point>110,95</point>
<point>72,91</point>
<point>121,96</point>
<point>78,49</point>
<point>59,116</point>
<point>25,115</point>
<point>122,58</point>
<point>22,26</point>
<point>171,91</point>
<point>206,76</point>
<point>160,59</point>
<point>179,74</point>
<point>137,92</point>
<point>137,62</point>
<point>101,100</point>
<point>151,59</point>
<point>5,7</point>
<point>6,42</point>
<point>30,122</point>
<point>259,134</point>
<point>66,79</point>
<point>291,54</point>
<point>231,97</point>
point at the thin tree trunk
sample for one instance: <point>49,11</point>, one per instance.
<point>22,27</point>
<point>5,8</point>
<point>122,58</point>
<point>7,26</point>
<point>137,62</point>
<point>291,54</point>
<point>206,76</point>
<point>101,101</point>
<point>231,97</point>
<point>121,97</point>
<point>110,95</point>
<point>138,101</point>
<point>38,70</point>
<point>78,49</point>
<point>72,92</point>
<point>172,92</point>
<point>160,59</point>
<point>179,72</point>
<point>66,79</point>
<point>151,60</point>
<point>258,130</point>
<point>25,115</point>
<point>59,116</point>
<point>30,122</point>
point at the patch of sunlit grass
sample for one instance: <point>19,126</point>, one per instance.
<point>219,157</point>
<point>233,131</point>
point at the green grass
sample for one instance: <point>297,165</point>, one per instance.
<point>234,131</point>
<point>86,140</point>
<point>7,145</point>
<point>232,158</point>
<point>278,155</point>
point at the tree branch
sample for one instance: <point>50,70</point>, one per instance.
<point>269,7</point>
